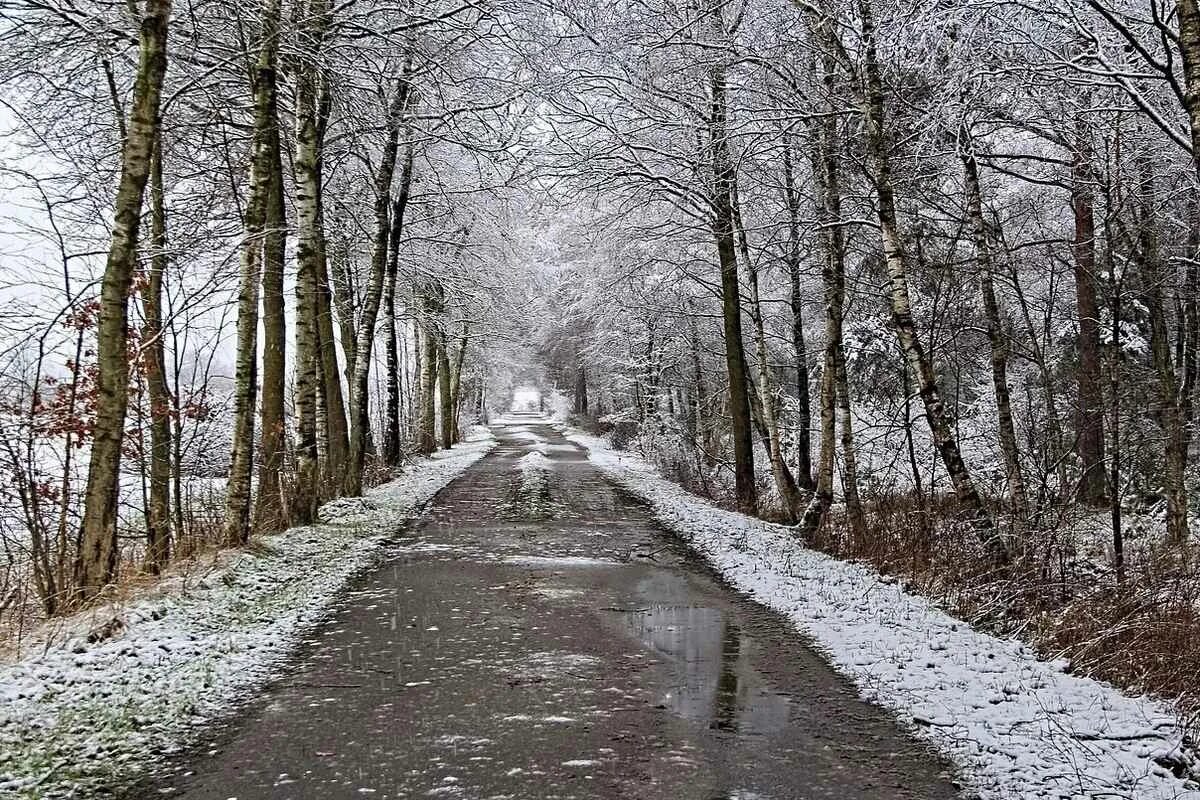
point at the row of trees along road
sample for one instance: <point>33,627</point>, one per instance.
<point>308,197</point>
<point>936,261</point>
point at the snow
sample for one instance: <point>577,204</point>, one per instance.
<point>1018,727</point>
<point>75,714</point>
<point>534,462</point>
<point>532,496</point>
<point>559,561</point>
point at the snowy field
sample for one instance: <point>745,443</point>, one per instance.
<point>109,691</point>
<point>1018,727</point>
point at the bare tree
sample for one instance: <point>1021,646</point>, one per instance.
<point>97,560</point>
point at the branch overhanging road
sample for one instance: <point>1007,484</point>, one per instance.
<point>538,635</point>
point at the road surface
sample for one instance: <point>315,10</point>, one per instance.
<point>537,635</point>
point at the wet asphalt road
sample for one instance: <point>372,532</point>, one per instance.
<point>538,636</point>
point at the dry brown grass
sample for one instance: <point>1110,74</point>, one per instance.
<point>1141,634</point>
<point>194,551</point>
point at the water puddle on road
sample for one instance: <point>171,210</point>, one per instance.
<point>712,680</point>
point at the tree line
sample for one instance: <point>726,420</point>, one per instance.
<point>293,297</point>
<point>868,155</point>
<point>918,279</point>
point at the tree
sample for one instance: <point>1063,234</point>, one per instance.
<point>158,509</point>
<point>263,183</point>
<point>391,437</point>
<point>97,560</point>
<point>1090,418</point>
<point>996,336</point>
<point>731,304</point>
<point>270,512</point>
<point>359,418</point>
<point>871,99</point>
<point>310,252</point>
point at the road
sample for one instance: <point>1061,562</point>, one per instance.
<point>537,635</point>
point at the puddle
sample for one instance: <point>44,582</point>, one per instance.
<point>713,682</point>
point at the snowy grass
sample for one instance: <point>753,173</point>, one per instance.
<point>1018,727</point>
<point>79,716</point>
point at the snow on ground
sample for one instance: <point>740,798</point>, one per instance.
<point>76,715</point>
<point>1017,726</point>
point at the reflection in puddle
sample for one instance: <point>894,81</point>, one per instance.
<point>713,680</point>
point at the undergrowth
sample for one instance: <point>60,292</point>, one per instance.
<point>1060,593</point>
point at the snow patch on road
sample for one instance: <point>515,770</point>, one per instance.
<point>534,463</point>
<point>522,432</point>
<point>1019,727</point>
<point>532,495</point>
<point>76,716</point>
<point>558,592</point>
<point>561,662</point>
<point>559,561</point>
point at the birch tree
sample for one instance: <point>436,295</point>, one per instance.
<point>97,560</point>
<point>262,182</point>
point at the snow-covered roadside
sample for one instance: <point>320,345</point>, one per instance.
<point>76,716</point>
<point>1018,727</point>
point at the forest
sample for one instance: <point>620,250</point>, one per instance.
<point>919,279</point>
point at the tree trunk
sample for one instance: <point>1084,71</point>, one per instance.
<point>359,417</point>
<point>343,301</point>
<point>238,488</point>
<point>1190,334</point>
<point>647,388</point>
<point>328,406</point>
<point>996,336</point>
<point>329,376</point>
<point>309,257</point>
<point>580,405</point>
<point>822,499</point>
<point>445,399</point>
<point>735,358</point>
<point>785,484</point>
<point>1114,466</point>
<point>97,559</point>
<point>158,509</point>
<point>460,356</point>
<point>854,509</point>
<point>1090,420</point>
<point>176,443</point>
<point>901,307</point>
<point>270,512</point>
<point>409,367</point>
<point>1170,413</point>
<point>826,170</point>
<point>1189,48</point>
<point>804,478</point>
<point>391,414</point>
<point>391,435</point>
<point>426,434</point>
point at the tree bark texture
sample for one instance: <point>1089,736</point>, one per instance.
<point>97,559</point>
<point>158,509</point>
